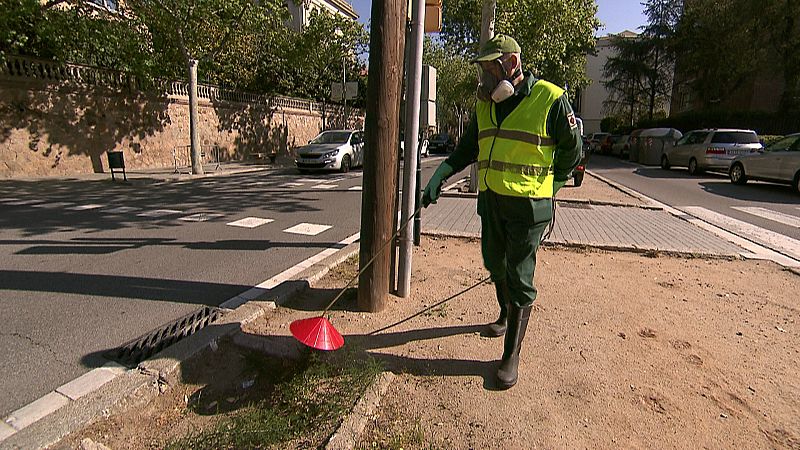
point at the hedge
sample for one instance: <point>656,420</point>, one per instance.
<point>763,123</point>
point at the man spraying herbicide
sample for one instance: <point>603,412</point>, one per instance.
<point>525,139</point>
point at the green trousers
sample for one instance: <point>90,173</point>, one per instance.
<point>511,230</point>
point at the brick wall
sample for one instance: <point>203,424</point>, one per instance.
<point>59,125</point>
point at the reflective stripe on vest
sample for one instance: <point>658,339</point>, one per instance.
<point>516,159</point>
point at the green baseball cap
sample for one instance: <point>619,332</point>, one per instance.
<point>496,46</point>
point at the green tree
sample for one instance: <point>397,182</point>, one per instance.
<point>777,25</point>
<point>328,45</point>
<point>74,31</point>
<point>624,76</point>
<point>456,80</point>
<point>718,46</point>
<point>555,35</point>
<point>640,74</point>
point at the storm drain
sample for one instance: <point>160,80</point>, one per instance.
<point>139,349</point>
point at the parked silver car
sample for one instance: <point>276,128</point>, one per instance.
<point>332,150</point>
<point>710,149</point>
<point>779,162</point>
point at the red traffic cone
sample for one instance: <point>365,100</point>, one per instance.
<point>317,332</point>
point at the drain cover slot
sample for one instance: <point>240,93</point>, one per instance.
<point>139,349</point>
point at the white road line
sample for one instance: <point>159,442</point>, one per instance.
<point>292,184</point>
<point>323,186</point>
<point>52,205</point>
<point>23,202</point>
<point>250,222</point>
<point>308,229</point>
<point>122,209</point>
<point>776,216</point>
<point>159,213</point>
<point>86,207</point>
<point>200,217</point>
<point>355,188</point>
<point>778,242</point>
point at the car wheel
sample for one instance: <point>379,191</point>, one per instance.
<point>693,169</point>
<point>345,167</point>
<point>577,179</point>
<point>664,162</point>
<point>737,174</point>
<point>796,183</point>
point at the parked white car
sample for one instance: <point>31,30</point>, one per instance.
<point>779,162</point>
<point>332,150</point>
<point>710,149</point>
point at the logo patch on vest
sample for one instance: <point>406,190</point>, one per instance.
<point>572,122</point>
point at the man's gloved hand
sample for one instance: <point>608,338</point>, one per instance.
<point>434,186</point>
<point>558,185</point>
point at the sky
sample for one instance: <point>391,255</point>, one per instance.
<point>616,15</point>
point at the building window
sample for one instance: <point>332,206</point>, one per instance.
<point>110,5</point>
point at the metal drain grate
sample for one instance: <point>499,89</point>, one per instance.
<point>139,349</point>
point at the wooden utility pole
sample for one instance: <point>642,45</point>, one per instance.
<point>387,40</point>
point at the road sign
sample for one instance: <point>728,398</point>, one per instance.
<point>351,90</point>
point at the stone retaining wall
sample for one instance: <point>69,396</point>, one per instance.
<point>59,126</point>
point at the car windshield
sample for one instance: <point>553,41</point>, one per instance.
<point>439,137</point>
<point>734,137</point>
<point>332,137</point>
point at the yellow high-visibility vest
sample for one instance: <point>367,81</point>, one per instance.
<point>516,158</point>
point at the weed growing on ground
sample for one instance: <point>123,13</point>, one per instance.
<point>307,403</point>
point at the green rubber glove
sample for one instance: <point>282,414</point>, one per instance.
<point>558,185</point>
<point>434,187</point>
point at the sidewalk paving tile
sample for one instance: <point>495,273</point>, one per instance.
<point>595,225</point>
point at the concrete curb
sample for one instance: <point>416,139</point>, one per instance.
<point>56,415</point>
<point>452,192</point>
<point>351,428</point>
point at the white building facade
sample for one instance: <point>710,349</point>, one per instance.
<point>301,10</point>
<point>589,104</point>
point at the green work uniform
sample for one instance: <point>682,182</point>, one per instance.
<point>512,226</point>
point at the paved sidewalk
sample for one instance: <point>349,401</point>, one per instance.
<point>583,224</point>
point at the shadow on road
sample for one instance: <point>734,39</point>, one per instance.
<point>753,191</point>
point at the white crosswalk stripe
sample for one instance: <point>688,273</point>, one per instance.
<point>292,184</point>
<point>159,213</point>
<point>354,188</point>
<point>775,241</point>
<point>122,209</point>
<point>86,207</point>
<point>250,222</point>
<point>54,205</point>
<point>324,186</point>
<point>775,216</point>
<point>201,217</point>
<point>308,229</point>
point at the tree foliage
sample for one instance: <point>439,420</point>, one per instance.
<point>74,31</point>
<point>724,43</point>
<point>456,83</point>
<point>640,74</point>
<point>555,35</point>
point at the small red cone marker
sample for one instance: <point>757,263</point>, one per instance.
<point>318,333</point>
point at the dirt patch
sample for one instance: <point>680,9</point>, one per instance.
<point>234,397</point>
<point>622,350</point>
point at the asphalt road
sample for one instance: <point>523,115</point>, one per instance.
<point>86,266</point>
<point>710,191</point>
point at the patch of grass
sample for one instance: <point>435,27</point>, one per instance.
<point>440,311</point>
<point>305,405</point>
<point>397,437</point>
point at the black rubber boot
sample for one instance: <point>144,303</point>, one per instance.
<point>517,324</point>
<point>498,327</point>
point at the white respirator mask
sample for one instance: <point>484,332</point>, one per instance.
<point>490,88</point>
